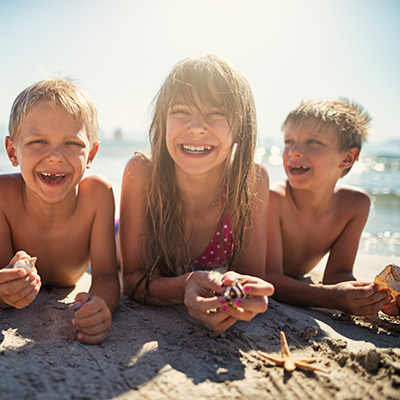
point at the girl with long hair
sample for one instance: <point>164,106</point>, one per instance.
<point>193,211</point>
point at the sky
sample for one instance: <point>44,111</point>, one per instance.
<point>120,51</point>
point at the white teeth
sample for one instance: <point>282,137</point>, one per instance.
<point>196,149</point>
<point>56,175</point>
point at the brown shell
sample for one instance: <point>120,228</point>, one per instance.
<point>389,277</point>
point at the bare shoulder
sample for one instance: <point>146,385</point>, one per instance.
<point>11,185</point>
<point>280,189</point>
<point>138,168</point>
<point>352,194</point>
<point>262,182</point>
<point>95,184</point>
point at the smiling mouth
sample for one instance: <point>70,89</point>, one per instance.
<point>298,170</point>
<point>196,149</point>
<point>52,178</point>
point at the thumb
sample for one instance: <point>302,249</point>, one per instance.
<point>80,299</point>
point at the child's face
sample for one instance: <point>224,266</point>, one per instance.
<point>52,150</point>
<point>311,158</point>
<point>198,140</point>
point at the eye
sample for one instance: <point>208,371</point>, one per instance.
<point>37,141</point>
<point>217,114</point>
<point>179,110</point>
<point>314,141</point>
<point>73,143</point>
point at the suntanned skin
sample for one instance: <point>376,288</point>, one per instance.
<point>65,225</point>
<point>199,180</point>
<point>310,215</point>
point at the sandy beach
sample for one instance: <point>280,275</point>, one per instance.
<point>162,353</point>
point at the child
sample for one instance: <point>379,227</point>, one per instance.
<point>310,214</point>
<point>196,205</point>
<point>51,212</point>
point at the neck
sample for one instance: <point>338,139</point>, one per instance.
<point>311,199</point>
<point>200,192</point>
<point>46,211</point>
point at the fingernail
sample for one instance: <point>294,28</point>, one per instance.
<point>246,289</point>
<point>223,301</point>
<point>76,306</point>
<point>238,302</point>
<point>224,308</point>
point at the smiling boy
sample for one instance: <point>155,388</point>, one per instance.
<point>310,214</point>
<point>50,211</point>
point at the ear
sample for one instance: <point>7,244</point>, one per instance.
<point>349,158</point>
<point>11,152</point>
<point>92,154</point>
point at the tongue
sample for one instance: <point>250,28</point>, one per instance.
<point>53,178</point>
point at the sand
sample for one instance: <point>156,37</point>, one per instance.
<point>162,353</point>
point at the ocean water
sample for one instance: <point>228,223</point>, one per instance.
<point>377,171</point>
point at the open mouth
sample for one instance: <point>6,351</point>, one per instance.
<point>196,149</point>
<point>52,178</point>
<point>298,170</point>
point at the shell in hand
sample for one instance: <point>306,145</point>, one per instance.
<point>27,263</point>
<point>390,278</point>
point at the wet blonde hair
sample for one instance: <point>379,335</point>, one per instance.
<point>210,80</point>
<point>55,92</point>
<point>349,121</point>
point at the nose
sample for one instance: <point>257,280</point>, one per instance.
<point>198,123</point>
<point>56,154</point>
<point>295,150</point>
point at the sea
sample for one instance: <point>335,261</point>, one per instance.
<point>377,171</point>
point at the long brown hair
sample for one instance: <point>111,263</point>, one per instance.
<point>203,77</point>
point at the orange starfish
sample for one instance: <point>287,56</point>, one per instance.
<point>290,363</point>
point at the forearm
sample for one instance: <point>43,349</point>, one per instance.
<point>292,291</point>
<point>108,288</point>
<point>160,291</point>
<point>343,276</point>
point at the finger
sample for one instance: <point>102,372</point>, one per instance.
<point>91,339</point>
<point>372,309</point>
<point>10,274</point>
<point>204,304</point>
<point>380,295</point>
<point>261,288</point>
<point>23,297</point>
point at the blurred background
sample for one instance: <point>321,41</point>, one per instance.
<point>120,52</point>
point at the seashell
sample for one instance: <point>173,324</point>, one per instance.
<point>27,263</point>
<point>233,292</point>
<point>390,278</point>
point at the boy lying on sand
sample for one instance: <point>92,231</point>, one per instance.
<point>310,214</point>
<point>51,212</point>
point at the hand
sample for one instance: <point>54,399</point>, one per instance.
<point>17,288</point>
<point>393,307</point>
<point>360,298</point>
<point>92,318</point>
<point>254,303</point>
<point>211,310</point>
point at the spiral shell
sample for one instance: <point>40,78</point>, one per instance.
<point>389,277</point>
<point>27,263</point>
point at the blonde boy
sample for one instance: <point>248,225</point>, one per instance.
<point>310,214</point>
<point>50,211</point>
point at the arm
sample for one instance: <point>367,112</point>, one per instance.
<point>17,289</point>
<point>93,320</point>
<point>351,297</point>
<point>339,267</point>
<point>251,260</point>
<point>133,240</point>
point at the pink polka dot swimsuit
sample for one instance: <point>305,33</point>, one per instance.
<point>217,252</point>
